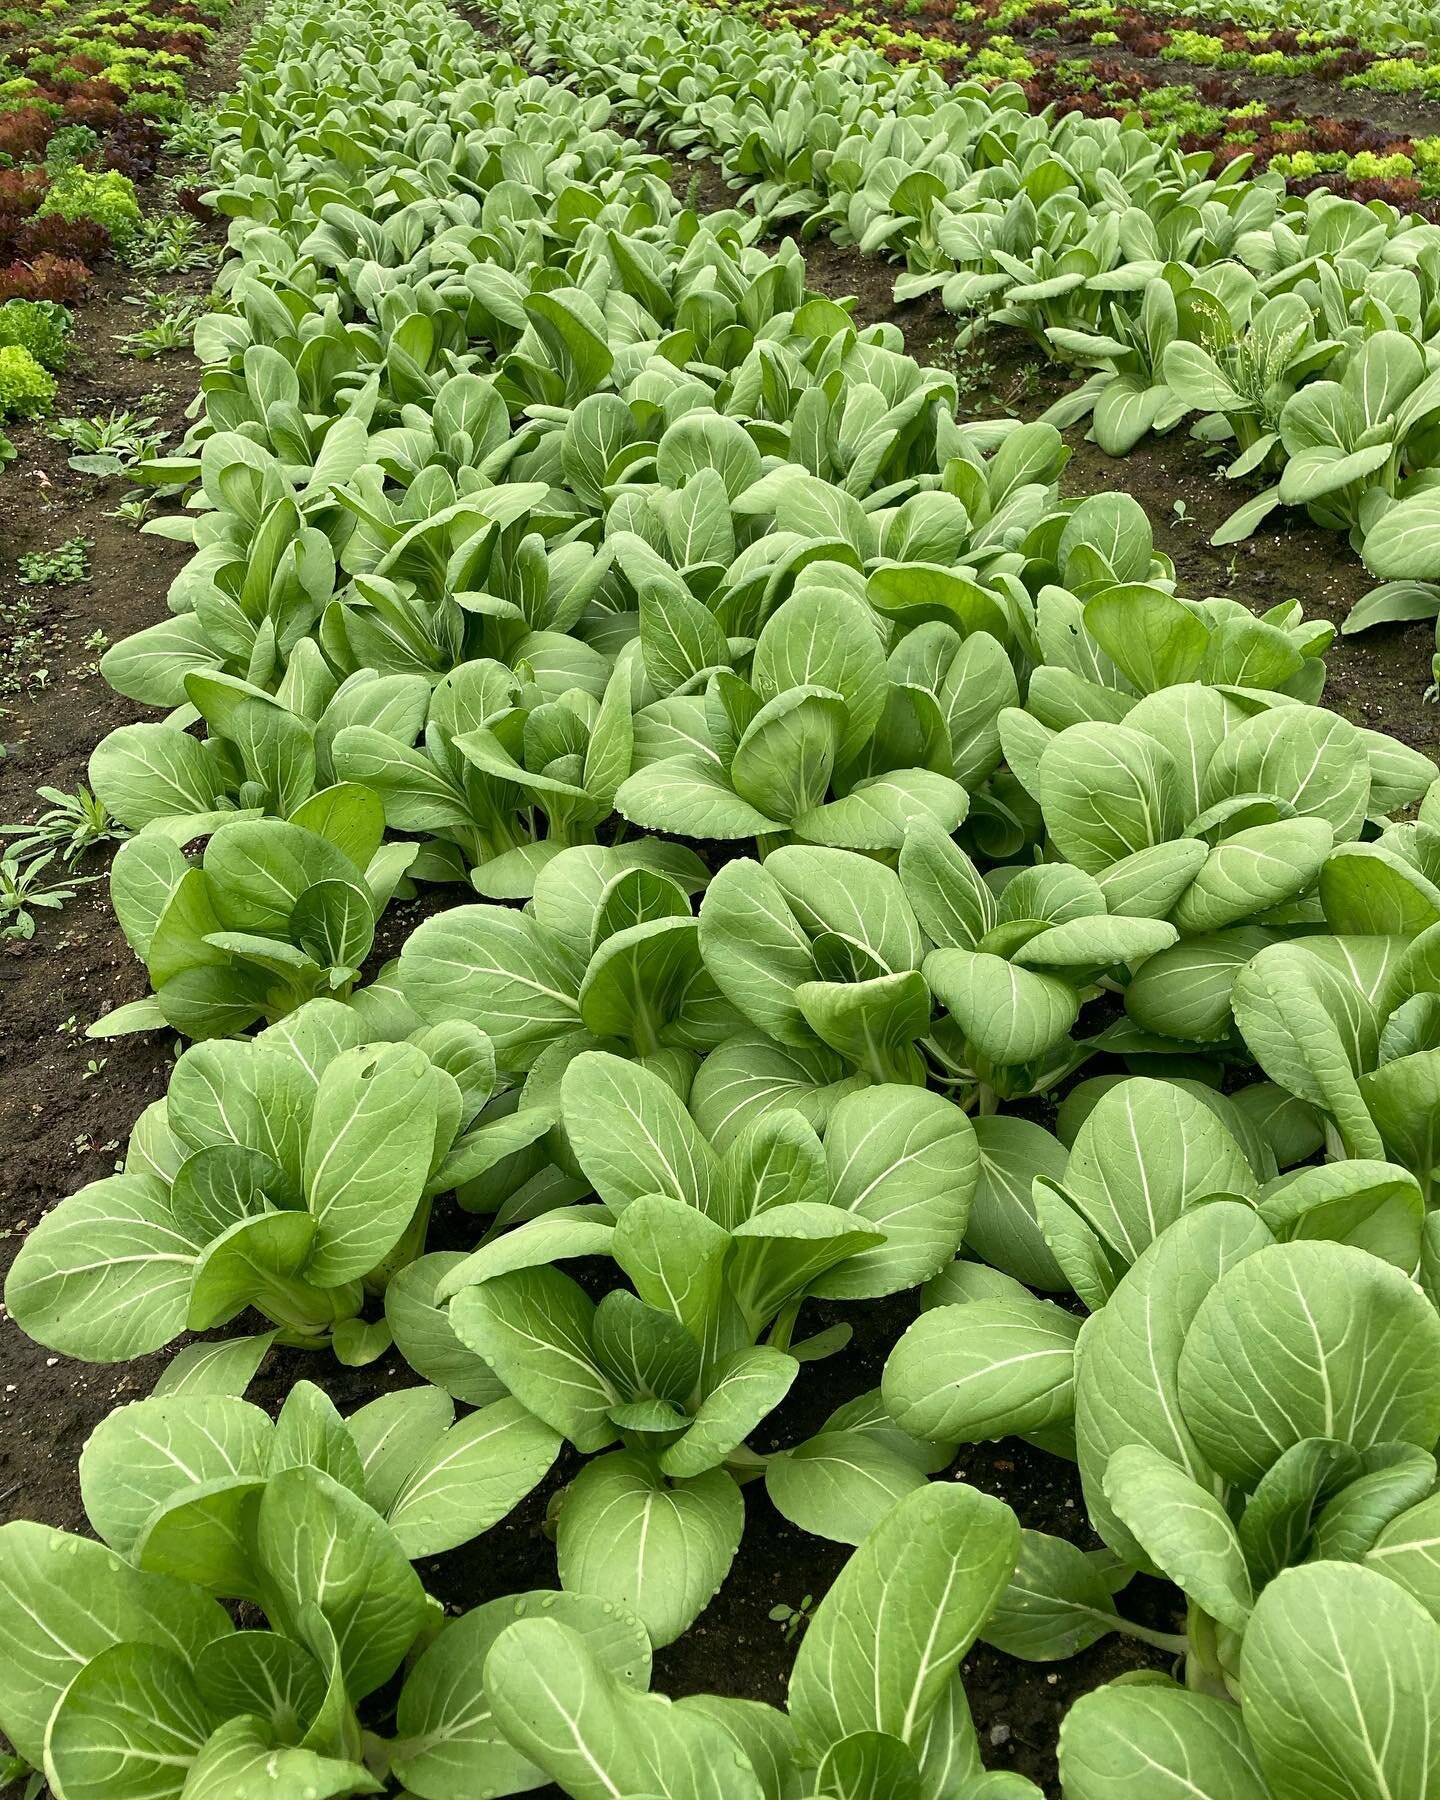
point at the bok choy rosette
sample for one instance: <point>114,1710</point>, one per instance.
<point>850,870</point>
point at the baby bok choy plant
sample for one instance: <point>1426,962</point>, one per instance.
<point>606,952</point>
<point>721,1249</point>
<point>469,789</point>
<point>1016,957</point>
<point>450,576</point>
<point>1348,1023</point>
<point>1105,614</point>
<point>1257,1420</point>
<point>314,1520</point>
<point>258,757</point>
<point>837,962</point>
<point>819,952</point>
<point>1215,811</point>
<point>508,775</point>
<point>810,745</point>
<point>274,913</point>
<point>263,572</point>
<point>292,1172</point>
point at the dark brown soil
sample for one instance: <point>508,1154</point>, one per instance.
<point>67,1104</point>
<point>61,1127</point>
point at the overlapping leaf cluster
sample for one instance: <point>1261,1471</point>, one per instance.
<point>828,785</point>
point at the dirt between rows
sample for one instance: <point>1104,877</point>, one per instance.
<point>66,1106</point>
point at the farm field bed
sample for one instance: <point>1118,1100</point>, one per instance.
<point>61,1129</point>
<point>1185,281</point>
<point>929,841</point>
<point>67,1106</point>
